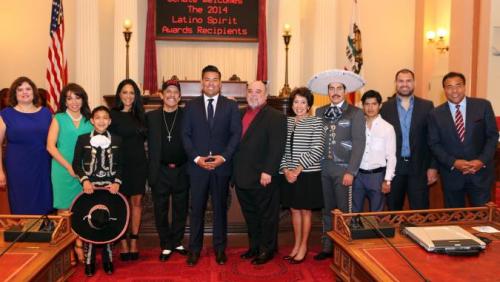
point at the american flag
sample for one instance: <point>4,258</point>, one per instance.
<point>57,69</point>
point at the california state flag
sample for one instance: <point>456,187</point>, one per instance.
<point>353,50</point>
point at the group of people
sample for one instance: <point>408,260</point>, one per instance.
<point>333,160</point>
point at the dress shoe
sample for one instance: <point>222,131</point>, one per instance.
<point>262,258</point>
<point>108,267</point>
<point>180,250</point>
<point>323,255</point>
<point>90,269</point>
<point>165,255</point>
<point>220,257</point>
<point>250,253</point>
<point>192,258</point>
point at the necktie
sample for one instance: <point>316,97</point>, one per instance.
<point>333,113</point>
<point>459,123</point>
<point>337,112</point>
<point>210,112</point>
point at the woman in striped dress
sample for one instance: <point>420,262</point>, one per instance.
<point>301,170</point>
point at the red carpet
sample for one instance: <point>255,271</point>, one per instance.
<point>149,268</point>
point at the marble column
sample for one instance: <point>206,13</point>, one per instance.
<point>88,49</point>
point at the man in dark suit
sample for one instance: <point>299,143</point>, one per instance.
<point>414,168</point>
<point>256,165</point>
<point>211,131</point>
<point>463,136</point>
<point>167,170</point>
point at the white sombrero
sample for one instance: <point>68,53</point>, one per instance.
<point>319,83</point>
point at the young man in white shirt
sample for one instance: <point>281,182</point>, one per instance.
<point>379,159</point>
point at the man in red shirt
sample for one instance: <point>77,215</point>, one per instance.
<point>255,168</point>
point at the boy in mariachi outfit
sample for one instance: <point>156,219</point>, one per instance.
<point>97,164</point>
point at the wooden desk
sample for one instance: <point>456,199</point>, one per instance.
<point>27,261</point>
<point>374,260</point>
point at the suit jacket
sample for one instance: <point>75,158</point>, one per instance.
<point>261,148</point>
<point>222,139</point>
<point>349,137</point>
<point>154,121</point>
<point>99,166</point>
<point>480,140</point>
<point>421,157</point>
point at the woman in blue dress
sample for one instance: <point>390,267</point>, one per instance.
<point>25,124</point>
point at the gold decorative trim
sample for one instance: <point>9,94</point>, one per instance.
<point>489,213</point>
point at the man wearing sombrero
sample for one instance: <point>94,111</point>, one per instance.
<point>344,145</point>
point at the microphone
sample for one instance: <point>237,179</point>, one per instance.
<point>46,222</point>
<point>381,234</point>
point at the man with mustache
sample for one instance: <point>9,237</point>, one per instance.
<point>344,145</point>
<point>414,168</point>
<point>256,165</point>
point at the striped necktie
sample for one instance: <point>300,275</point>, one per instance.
<point>459,123</point>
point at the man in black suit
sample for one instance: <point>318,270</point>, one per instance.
<point>256,165</point>
<point>211,132</point>
<point>463,136</point>
<point>414,168</point>
<point>167,170</point>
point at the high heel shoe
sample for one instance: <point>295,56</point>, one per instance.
<point>78,249</point>
<point>134,255</point>
<point>297,261</point>
<point>288,258</point>
<point>126,255</point>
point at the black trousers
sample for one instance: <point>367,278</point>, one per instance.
<point>415,185</point>
<point>90,252</point>
<point>201,187</point>
<point>172,186</point>
<point>260,208</point>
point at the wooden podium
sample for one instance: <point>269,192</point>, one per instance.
<point>375,260</point>
<point>26,261</point>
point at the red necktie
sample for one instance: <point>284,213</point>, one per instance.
<point>459,123</point>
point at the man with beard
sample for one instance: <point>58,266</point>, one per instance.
<point>256,165</point>
<point>414,168</point>
<point>344,145</point>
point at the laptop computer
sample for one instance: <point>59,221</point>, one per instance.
<point>444,239</point>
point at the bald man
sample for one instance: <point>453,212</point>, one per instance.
<point>255,172</point>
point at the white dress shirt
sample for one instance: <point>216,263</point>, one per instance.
<point>380,149</point>
<point>214,102</point>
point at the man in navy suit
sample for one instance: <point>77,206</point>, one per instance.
<point>211,132</point>
<point>463,136</point>
<point>415,168</point>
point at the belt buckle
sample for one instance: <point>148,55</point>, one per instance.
<point>406,159</point>
<point>171,166</point>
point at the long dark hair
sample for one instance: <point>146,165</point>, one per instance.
<point>78,91</point>
<point>137,107</point>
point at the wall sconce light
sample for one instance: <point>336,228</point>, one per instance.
<point>437,38</point>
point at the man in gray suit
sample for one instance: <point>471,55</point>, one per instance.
<point>344,145</point>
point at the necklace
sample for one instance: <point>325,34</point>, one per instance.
<point>74,119</point>
<point>169,130</point>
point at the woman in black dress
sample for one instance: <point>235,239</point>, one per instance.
<point>128,122</point>
<point>301,170</point>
